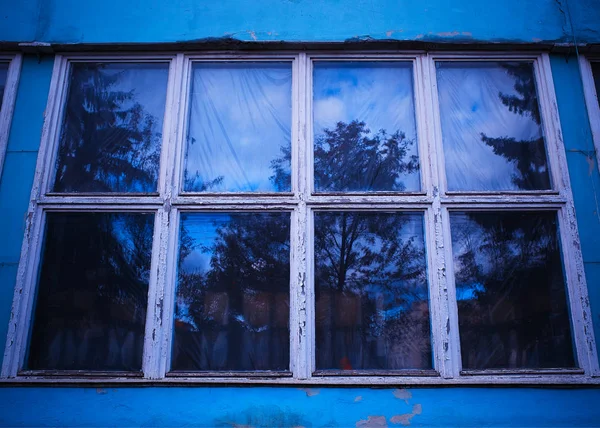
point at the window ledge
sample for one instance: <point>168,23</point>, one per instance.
<point>567,380</point>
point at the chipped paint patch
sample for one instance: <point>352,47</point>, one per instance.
<point>403,394</point>
<point>372,421</point>
<point>101,391</point>
<point>311,392</point>
<point>358,398</point>
<point>390,32</point>
<point>405,418</point>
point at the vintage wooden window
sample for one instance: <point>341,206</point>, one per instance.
<point>302,218</point>
<point>10,69</point>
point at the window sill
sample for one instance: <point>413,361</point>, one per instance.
<point>516,380</point>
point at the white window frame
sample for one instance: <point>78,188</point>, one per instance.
<point>434,201</point>
<point>8,101</point>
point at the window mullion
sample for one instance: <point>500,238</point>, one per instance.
<point>443,303</point>
<point>301,342</point>
<point>158,325</point>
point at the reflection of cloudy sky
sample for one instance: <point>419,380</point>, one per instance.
<point>377,93</point>
<point>146,81</point>
<point>470,106</point>
<point>240,117</point>
<point>202,229</point>
<point>3,76</point>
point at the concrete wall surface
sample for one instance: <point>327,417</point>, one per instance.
<point>155,21</point>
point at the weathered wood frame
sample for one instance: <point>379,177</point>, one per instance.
<point>434,201</point>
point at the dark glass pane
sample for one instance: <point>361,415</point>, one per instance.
<point>371,291</point>
<point>233,290</point>
<point>365,136</point>
<point>596,74</point>
<point>92,292</point>
<point>239,131</point>
<point>491,126</point>
<point>512,305</point>
<point>3,76</point>
<point>111,132</point>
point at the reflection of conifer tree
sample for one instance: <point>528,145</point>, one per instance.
<point>94,279</point>
<point>107,143</point>
<point>529,156</point>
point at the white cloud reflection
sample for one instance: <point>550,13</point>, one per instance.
<point>470,106</point>
<point>377,93</point>
<point>240,117</point>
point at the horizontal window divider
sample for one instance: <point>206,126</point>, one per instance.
<point>372,202</point>
<point>107,206</point>
<point>87,201</point>
<point>364,373</point>
<point>569,380</point>
<point>368,194</point>
<point>191,207</point>
<point>552,371</point>
<point>370,207</point>
<point>198,201</point>
<point>246,195</point>
<point>504,193</point>
<point>503,204</point>
<point>102,194</point>
<point>81,373</point>
<point>230,374</point>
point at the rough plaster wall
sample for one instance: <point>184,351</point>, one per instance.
<point>294,407</point>
<point>154,21</point>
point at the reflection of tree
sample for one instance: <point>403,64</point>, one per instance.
<point>91,302</point>
<point>511,293</point>
<point>107,143</point>
<point>93,285</point>
<point>528,156</point>
<point>235,316</point>
<point>370,282</point>
<point>371,291</point>
<point>348,159</point>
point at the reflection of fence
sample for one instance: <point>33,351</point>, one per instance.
<point>235,331</point>
<point>354,333</point>
<point>93,334</point>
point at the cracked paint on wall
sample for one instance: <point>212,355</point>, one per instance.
<point>71,21</point>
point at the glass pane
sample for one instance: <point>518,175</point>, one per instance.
<point>491,126</point>
<point>112,128</point>
<point>371,291</point>
<point>364,123</point>
<point>596,74</point>
<point>512,305</point>
<point>233,289</point>
<point>92,292</point>
<point>3,77</point>
<point>239,131</point>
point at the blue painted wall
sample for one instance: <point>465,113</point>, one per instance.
<point>295,407</point>
<point>156,21</point>
<point>149,21</point>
